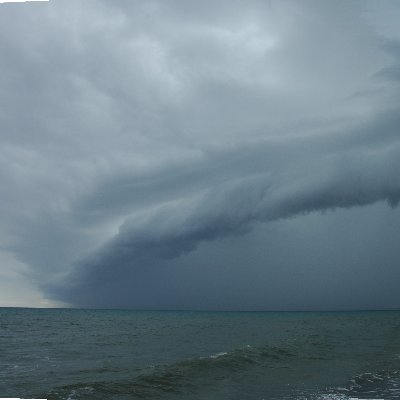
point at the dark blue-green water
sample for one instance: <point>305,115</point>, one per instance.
<point>120,354</point>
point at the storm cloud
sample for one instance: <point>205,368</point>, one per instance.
<point>137,137</point>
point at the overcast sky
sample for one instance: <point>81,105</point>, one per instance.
<point>200,154</point>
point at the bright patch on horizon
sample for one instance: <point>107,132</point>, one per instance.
<point>19,1</point>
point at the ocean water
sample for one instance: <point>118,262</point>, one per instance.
<point>121,354</point>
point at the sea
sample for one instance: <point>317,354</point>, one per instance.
<point>75,354</point>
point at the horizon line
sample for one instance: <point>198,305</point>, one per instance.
<point>393,308</point>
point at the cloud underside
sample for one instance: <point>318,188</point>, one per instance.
<point>325,181</point>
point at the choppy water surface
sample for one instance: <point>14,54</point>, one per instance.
<point>120,354</point>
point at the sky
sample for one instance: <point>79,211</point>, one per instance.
<point>230,155</point>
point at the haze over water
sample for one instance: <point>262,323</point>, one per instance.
<point>65,354</point>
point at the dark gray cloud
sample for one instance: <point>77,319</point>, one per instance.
<point>137,136</point>
<point>355,178</point>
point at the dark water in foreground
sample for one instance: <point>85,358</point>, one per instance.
<point>100,354</point>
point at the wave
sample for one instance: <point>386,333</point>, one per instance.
<point>181,377</point>
<point>381,385</point>
<point>186,378</point>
